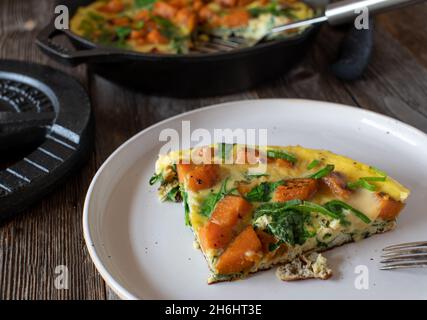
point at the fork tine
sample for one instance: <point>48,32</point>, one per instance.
<point>404,265</point>
<point>395,253</point>
<point>409,258</point>
<point>406,245</point>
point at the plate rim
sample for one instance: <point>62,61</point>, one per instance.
<point>118,288</point>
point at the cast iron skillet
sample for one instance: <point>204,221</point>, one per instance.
<point>180,75</point>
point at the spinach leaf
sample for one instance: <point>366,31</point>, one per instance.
<point>122,33</point>
<point>144,3</point>
<point>186,207</point>
<point>338,207</point>
<point>174,194</point>
<point>262,192</point>
<point>213,198</point>
<point>287,221</point>
<point>289,227</point>
<point>156,178</point>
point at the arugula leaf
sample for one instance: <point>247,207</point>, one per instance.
<point>276,154</point>
<point>322,172</point>
<point>262,192</point>
<point>213,198</point>
<point>155,178</point>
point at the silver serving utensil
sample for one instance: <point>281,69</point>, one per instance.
<point>335,14</point>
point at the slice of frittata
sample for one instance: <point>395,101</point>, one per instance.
<point>252,208</point>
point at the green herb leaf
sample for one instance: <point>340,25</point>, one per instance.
<point>380,179</point>
<point>156,178</point>
<point>313,164</point>
<point>262,192</point>
<point>144,3</point>
<point>288,227</point>
<point>380,172</point>
<point>225,149</point>
<point>323,172</point>
<point>276,154</point>
<point>250,176</point>
<point>213,198</point>
<point>122,33</point>
<point>339,206</point>
<point>139,25</point>
<point>173,194</point>
<point>288,220</point>
<point>364,183</point>
<point>186,207</point>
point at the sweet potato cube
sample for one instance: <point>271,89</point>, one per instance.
<point>199,177</point>
<point>301,189</point>
<point>389,208</point>
<point>241,254</point>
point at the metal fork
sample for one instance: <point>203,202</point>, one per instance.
<point>335,14</point>
<point>405,255</point>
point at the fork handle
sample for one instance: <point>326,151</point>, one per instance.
<point>347,10</point>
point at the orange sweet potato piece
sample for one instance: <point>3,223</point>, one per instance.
<point>302,189</point>
<point>230,210</point>
<point>155,37</point>
<point>389,208</point>
<point>143,15</point>
<point>236,18</point>
<point>164,10</point>
<point>241,254</point>
<point>284,163</point>
<point>121,21</point>
<point>337,183</point>
<point>218,231</point>
<point>113,6</point>
<point>199,177</point>
<point>187,18</point>
<point>214,236</point>
<point>203,177</point>
<point>227,3</point>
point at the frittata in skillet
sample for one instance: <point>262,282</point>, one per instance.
<point>171,26</point>
<point>253,208</point>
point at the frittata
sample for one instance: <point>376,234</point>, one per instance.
<point>252,208</point>
<point>172,26</point>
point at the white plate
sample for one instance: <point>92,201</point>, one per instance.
<point>143,250</point>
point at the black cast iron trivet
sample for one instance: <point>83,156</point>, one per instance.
<point>45,132</point>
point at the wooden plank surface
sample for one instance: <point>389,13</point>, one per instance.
<point>50,233</point>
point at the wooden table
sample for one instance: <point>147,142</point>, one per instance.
<point>50,233</point>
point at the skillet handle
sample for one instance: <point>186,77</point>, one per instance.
<point>45,41</point>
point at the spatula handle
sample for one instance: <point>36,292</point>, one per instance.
<point>347,10</point>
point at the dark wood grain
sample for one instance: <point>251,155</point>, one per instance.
<point>50,233</point>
